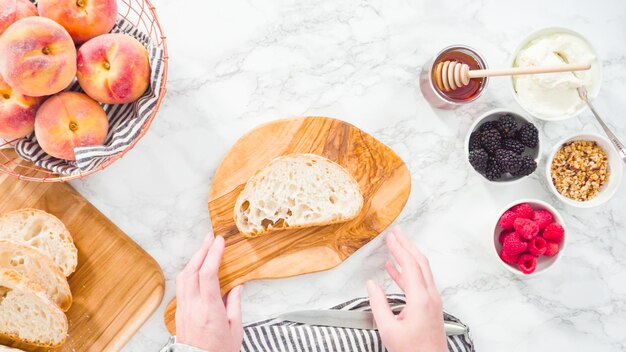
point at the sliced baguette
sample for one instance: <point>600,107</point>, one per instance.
<point>42,231</point>
<point>38,268</point>
<point>294,191</point>
<point>27,314</point>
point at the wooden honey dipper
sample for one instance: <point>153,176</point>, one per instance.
<point>451,75</point>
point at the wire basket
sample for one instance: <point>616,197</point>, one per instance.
<point>142,15</point>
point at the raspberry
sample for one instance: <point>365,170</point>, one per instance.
<point>512,247</point>
<point>527,263</point>
<point>508,236</point>
<point>537,246</point>
<point>554,232</point>
<point>507,219</point>
<point>552,249</point>
<point>524,210</point>
<point>543,218</point>
<point>526,228</point>
<point>509,259</point>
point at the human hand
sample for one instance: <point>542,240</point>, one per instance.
<point>203,319</point>
<point>419,327</point>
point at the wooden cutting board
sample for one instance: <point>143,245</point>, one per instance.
<point>117,285</point>
<point>383,178</point>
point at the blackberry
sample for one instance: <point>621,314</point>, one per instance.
<point>508,161</point>
<point>513,145</point>
<point>493,170</point>
<point>474,141</point>
<point>489,125</point>
<point>507,126</point>
<point>529,165</point>
<point>528,135</point>
<point>491,140</point>
<point>479,159</point>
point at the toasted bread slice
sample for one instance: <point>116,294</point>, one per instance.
<point>38,268</point>
<point>27,314</point>
<point>295,191</point>
<point>44,232</point>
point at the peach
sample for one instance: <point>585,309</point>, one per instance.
<point>38,57</point>
<point>13,10</point>
<point>83,19</point>
<point>17,113</point>
<point>70,120</point>
<point>113,69</point>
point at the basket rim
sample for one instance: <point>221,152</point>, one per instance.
<point>52,177</point>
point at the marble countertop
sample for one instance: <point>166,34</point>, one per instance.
<point>238,63</point>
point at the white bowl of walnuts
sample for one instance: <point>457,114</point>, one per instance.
<point>584,170</point>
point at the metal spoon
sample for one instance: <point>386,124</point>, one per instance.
<point>582,92</point>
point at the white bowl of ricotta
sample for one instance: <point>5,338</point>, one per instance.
<point>553,96</point>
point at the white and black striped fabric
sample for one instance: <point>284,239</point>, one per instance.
<point>277,336</point>
<point>125,121</point>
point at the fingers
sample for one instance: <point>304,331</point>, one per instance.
<point>181,304</point>
<point>187,282</point>
<point>380,306</point>
<point>180,286</point>
<point>233,312</point>
<point>402,256</point>
<point>198,258</point>
<point>427,274</point>
<point>395,274</point>
<point>411,274</point>
<point>209,282</point>
<point>420,258</point>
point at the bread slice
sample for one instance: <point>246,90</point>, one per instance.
<point>294,191</point>
<point>38,268</point>
<point>42,231</point>
<point>9,349</point>
<point>27,314</point>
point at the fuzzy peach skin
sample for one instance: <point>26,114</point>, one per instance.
<point>13,10</point>
<point>83,19</point>
<point>17,113</point>
<point>70,120</point>
<point>113,69</point>
<point>37,57</point>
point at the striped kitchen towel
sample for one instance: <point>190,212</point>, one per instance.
<point>277,336</point>
<point>125,121</point>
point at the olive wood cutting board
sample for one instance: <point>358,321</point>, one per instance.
<point>117,286</point>
<point>383,178</point>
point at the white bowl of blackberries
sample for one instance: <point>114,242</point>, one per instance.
<point>503,146</point>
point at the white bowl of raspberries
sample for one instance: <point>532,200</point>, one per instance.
<point>503,146</point>
<point>529,237</point>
